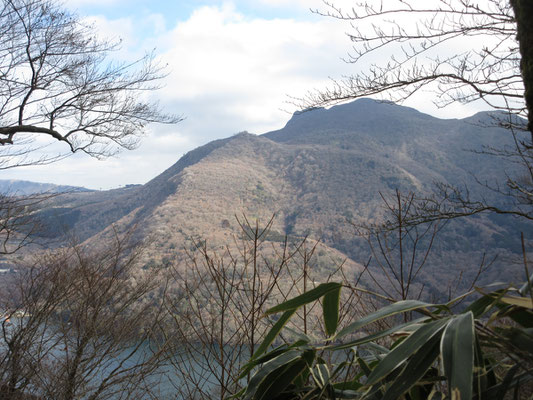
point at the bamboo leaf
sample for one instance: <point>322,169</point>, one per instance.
<point>507,381</point>
<point>387,311</point>
<point>273,332</point>
<point>269,338</point>
<point>263,359</point>
<point>281,361</point>
<point>414,370</point>
<point>404,350</point>
<point>330,309</point>
<point>522,317</point>
<point>305,298</point>
<point>457,349</point>
<point>277,381</point>
<point>364,366</point>
<point>320,373</point>
<point>352,385</point>
<point>302,337</point>
<point>375,336</point>
<point>377,350</point>
<point>511,381</point>
<point>526,287</point>
<point>481,305</point>
<point>309,357</point>
<point>525,302</point>
<point>520,338</point>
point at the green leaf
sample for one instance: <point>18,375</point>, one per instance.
<point>309,357</point>
<point>414,370</point>
<point>375,336</point>
<point>484,375</point>
<point>302,337</point>
<point>273,332</point>
<point>263,359</point>
<point>522,317</point>
<point>354,384</point>
<point>511,381</point>
<point>387,311</point>
<point>377,350</point>
<point>520,338</point>
<point>320,373</point>
<point>281,361</point>
<point>330,309</point>
<point>363,365</point>
<point>408,347</point>
<point>305,298</point>
<point>457,349</point>
<point>507,381</point>
<point>277,381</point>
<point>481,305</point>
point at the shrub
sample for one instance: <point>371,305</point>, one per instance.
<point>484,351</point>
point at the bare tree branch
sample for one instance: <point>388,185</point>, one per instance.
<point>57,83</point>
<point>462,51</point>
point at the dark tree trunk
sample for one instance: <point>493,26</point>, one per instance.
<point>523,10</point>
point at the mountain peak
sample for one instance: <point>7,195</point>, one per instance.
<point>361,107</point>
<point>362,116</point>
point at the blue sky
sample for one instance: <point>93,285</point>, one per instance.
<point>232,66</point>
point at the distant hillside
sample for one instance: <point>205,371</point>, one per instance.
<point>24,188</point>
<point>322,171</point>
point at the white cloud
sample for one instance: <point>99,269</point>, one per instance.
<point>228,73</point>
<point>248,66</point>
<point>121,28</point>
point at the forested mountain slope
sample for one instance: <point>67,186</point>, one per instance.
<point>322,171</point>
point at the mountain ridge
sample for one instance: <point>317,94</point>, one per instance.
<point>18,187</point>
<point>323,169</point>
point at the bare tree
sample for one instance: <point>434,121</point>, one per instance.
<point>83,324</point>
<point>16,222</point>
<point>217,306</point>
<point>57,83</point>
<point>414,35</point>
<point>400,254</point>
<point>398,251</point>
<point>462,51</point>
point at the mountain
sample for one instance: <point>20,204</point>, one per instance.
<point>24,188</point>
<point>325,169</point>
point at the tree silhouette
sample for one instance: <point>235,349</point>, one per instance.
<point>58,84</point>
